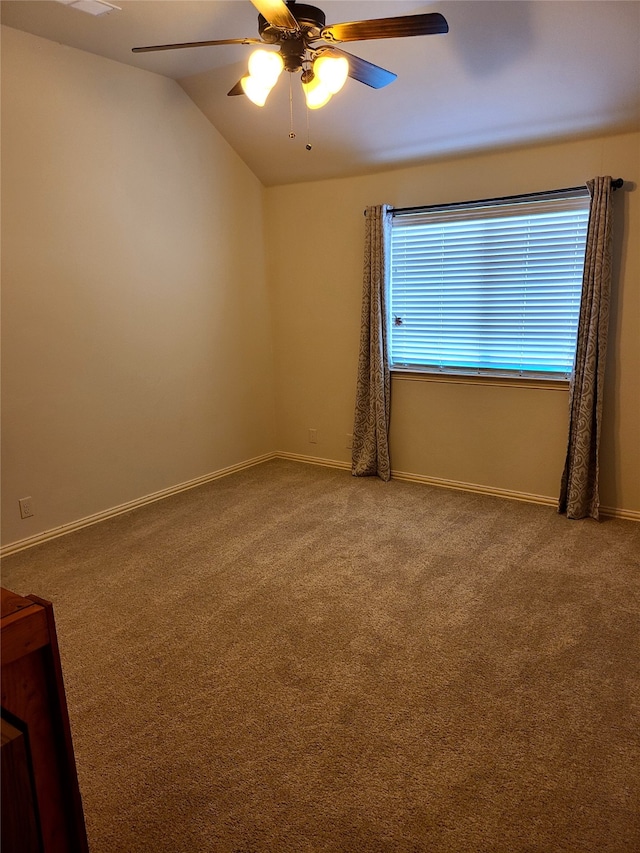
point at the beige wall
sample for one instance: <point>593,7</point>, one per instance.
<point>136,330</point>
<point>503,438</point>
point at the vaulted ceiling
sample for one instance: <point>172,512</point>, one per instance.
<point>506,74</point>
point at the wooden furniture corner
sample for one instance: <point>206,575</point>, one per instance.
<point>36,733</point>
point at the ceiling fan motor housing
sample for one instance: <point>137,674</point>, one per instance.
<point>293,45</point>
<point>310,19</point>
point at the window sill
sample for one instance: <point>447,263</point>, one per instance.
<point>473,379</point>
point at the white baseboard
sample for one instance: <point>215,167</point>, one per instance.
<point>612,512</point>
<point>97,517</point>
<point>429,481</point>
<point>314,460</point>
<point>474,488</point>
<point>457,485</point>
<point>64,529</point>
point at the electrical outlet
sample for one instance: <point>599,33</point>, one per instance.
<point>26,507</point>
<point>349,444</point>
<point>313,436</point>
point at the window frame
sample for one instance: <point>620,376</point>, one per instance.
<point>482,374</point>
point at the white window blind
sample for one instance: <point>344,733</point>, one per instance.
<point>488,287</point>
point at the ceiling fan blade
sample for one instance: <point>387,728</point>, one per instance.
<point>276,13</point>
<point>237,89</point>
<point>194,44</point>
<point>387,28</point>
<point>363,71</point>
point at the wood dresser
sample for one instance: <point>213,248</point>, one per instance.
<point>41,804</point>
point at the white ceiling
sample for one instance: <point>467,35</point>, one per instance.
<point>507,73</point>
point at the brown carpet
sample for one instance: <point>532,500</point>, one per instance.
<point>289,659</point>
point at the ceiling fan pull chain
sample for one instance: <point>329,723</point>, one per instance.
<point>292,134</point>
<point>308,146</point>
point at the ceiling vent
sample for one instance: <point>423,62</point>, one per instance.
<point>91,7</point>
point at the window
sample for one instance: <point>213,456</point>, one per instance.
<point>490,287</point>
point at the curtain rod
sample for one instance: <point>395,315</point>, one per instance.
<point>616,184</point>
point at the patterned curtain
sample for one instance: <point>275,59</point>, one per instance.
<point>370,454</point>
<point>579,496</point>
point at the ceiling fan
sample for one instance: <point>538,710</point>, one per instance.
<point>305,43</point>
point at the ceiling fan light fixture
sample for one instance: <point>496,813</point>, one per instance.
<point>332,71</point>
<point>255,90</point>
<point>316,93</point>
<point>265,67</point>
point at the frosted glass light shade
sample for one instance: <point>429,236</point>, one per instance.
<point>316,94</point>
<point>266,66</point>
<point>254,90</point>
<point>332,71</point>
